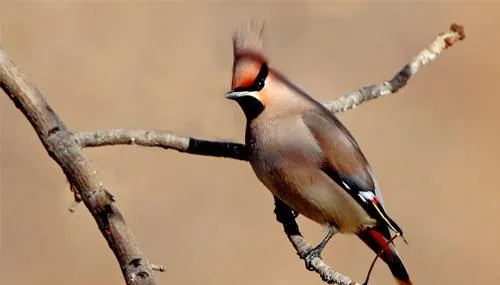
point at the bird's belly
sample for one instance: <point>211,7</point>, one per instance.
<point>314,195</point>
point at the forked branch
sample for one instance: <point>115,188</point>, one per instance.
<point>64,148</point>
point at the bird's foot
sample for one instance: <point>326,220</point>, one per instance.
<point>316,251</point>
<point>310,255</point>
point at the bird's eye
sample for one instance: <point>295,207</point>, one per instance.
<point>261,77</point>
<point>259,84</point>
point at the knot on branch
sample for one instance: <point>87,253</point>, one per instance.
<point>137,269</point>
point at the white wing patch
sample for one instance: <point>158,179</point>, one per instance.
<point>347,186</point>
<point>366,195</point>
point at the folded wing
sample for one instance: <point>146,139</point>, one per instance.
<point>344,163</point>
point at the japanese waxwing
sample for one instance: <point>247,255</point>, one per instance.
<point>305,156</point>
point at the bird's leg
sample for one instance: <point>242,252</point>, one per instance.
<point>316,251</point>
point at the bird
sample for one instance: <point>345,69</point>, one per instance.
<point>305,156</point>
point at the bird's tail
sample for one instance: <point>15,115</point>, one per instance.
<point>378,243</point>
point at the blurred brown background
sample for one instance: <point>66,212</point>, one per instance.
<point>167,65</point>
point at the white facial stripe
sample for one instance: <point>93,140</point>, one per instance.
<point>239,94</point>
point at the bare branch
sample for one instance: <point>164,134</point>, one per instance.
<point>158,267</point>
<point>60,145</point>
<point>423,58</point>
<point>161,139</point>
<point>349,101</point>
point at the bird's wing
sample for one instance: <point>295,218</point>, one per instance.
<point>344,163</point>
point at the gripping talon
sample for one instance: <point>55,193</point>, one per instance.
<point>309,256</point>
<point>316,251</point>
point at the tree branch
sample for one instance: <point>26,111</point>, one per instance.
<point>64,150</point>
<point>63,147</point>
<point>167,140</point>
<point>161,139</point>
<point>423,58</point>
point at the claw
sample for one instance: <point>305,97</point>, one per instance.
<point>310,255</point>
<point>316,251</point>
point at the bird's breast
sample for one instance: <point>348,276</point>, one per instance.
<point>279,142</point>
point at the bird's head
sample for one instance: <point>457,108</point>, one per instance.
<point>251,77</point>
<point>255,86</point>
<point>249,89</point>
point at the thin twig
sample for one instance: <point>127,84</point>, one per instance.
<point>423,58</point>
<point>158,267</point>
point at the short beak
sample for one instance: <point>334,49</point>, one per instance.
<point>234,95</point>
